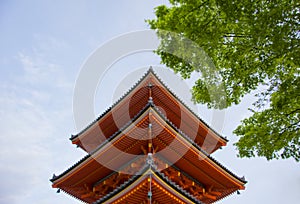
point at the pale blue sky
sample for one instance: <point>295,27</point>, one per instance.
<point>43,46</point>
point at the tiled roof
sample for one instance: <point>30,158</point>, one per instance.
<point>139,175</point>
<point>150,104</point>
<point>130,90</point>
<point>101,145</point>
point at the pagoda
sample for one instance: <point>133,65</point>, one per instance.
<point>148,147</point>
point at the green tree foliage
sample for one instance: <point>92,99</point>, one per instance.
<point>254,45</point>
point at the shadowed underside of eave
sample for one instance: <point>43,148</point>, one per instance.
<point>137,190</point>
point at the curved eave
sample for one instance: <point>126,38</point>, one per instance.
<point>73,137</point>
<point>172,192</point>
<point>196,149</point>
<point>224,139</point>
<point>90,156</point>
<point>76,139</point>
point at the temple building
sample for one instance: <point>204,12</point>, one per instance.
<point>148,147</point>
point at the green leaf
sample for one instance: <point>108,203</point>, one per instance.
<point>244,45</point>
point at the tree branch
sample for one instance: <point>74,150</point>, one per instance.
<point>286,129</point>
<point>298,109</point>
<point>196,8</point>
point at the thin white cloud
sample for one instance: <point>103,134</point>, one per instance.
<point>35,107</point>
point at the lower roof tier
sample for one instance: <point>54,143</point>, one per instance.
<point>178,186</point>
<point>133,142</point>
<point>147,185</point>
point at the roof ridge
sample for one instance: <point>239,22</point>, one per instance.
<point>128,182</point>
<point>149,104</point>
<point>142,173</point>
<point>101,145</point>
<point>196,145</point>
<point>174,185</point>
<point>150,70</point>
<point>187,107</point>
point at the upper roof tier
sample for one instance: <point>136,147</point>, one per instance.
<point>123,111</point>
